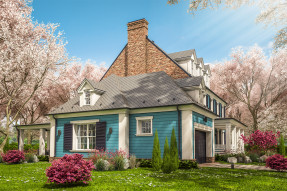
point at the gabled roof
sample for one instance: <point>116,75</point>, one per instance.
<point>140,91</point>
<point>189,82</point>
<point>92,84</point>
<point>182,54</point>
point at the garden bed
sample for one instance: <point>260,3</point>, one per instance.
<point>32,176</point>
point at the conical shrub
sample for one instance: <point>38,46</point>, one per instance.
<point>166,165</point>
<point>156,155</point>
<point>173,152</point>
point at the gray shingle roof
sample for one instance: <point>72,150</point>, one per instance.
<point>140,91</point>
<point>206,67</point>
<point>182,54</point>
<point>189,82</point>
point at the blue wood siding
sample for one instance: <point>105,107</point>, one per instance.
<point>111,139</point>
<point>164,122</point>
<point>199,118</point>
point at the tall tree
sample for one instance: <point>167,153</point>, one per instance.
<point>29,52</point>
<point>273,12</point>
<point>252,84</point>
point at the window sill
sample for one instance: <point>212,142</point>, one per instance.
<point>143,135</point>
<point>82,151</point>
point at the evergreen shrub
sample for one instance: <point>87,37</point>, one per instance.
<point>156,155</point>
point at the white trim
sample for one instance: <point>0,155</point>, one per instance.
<point>82,150</point>
<point>202,127</point>
<point>187,135</point>
<point>124,132</point>
<point>85,121</point>
<point>144,118</point>
<point>52,136</point>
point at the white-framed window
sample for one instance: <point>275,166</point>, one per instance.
<point>144,126</point>
<point>87,97</point>
<point>84,134</point>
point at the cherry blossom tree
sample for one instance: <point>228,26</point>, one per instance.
<point>273,12</point>
<point>254,86</point>
<point>29,51</point>
<point>57,89</point>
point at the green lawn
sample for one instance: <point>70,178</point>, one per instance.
<point>32,177</point>
<point>252,163</point>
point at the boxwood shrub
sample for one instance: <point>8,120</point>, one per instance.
<point>188,164</point>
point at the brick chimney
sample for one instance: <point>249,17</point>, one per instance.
<point>137,47</point>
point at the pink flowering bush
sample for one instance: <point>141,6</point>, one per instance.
<point>13,157</point>
<point>277,162</point>
<point>108,155</point>
<point>70,169</point>
<point>260,141</point>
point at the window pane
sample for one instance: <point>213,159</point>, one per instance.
<point>83,130</point>
<point>92,142</point>
<point>92,130</point>
<point>146,126</point>
<point>83,144</point>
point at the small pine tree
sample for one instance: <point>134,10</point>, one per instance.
<point>156,155</point>
<point>166,165</point>
<point>282,145</point>
<point>173,152</point>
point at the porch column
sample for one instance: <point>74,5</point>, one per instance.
<point>48,140</point>
<point>228,136</point>
<point>242,144</point>
<point>217,137</point>
<point>222,137</point>
<point>233,140</point>
<point>21,140</point>
<point>52,137</point>
<point>42,142</point>
<point>238,142</point>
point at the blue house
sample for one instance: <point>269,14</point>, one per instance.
<point>144,90</point>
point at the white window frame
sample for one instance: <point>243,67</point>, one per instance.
<point>75,143</point>
<point>138,132</point>
<point>87,97</point>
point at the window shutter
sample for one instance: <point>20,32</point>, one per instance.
<point>207,101</point>
<point>68,137</point>
<point>101,135</point>
<point>224,111</point>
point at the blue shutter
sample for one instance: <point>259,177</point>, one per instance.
<point>220,110</point>
<point>224,111</point>
<point>206,100</point>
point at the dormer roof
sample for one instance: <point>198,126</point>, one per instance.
<point>92,84</point>
<point>182,54</point>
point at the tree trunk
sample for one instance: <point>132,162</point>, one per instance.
<point>3,144</point>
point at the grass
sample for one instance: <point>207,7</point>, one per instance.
<point>32,177</point>
<point>252,163</point>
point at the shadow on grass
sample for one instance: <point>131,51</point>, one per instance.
<point>67,185</point>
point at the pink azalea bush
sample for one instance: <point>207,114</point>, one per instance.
<point>70,169</point>
<point>260,141</point>
<point>108,155</point>
<point>277,162</point>
<point>13,157</point>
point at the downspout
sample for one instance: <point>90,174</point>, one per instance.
<point>55,135</point>
<point>179,130</point>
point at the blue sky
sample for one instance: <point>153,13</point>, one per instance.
<point>97,30</point>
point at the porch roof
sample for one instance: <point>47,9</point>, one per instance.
<point>232,121</point>
<point>46,126</point>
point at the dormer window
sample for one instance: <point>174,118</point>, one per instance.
<point>87,97</point>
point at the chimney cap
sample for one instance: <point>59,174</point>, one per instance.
<point>136,22</point>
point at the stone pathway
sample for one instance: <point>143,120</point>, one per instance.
<point>236,166</point>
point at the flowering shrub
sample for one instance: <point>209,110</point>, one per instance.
<point>70,169</point>
<point>102,165</point>
<point>13,157</point>
<point>261,141</point>
<point>107,155</point>
<point>277,162</point>
<point>117,159</point>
